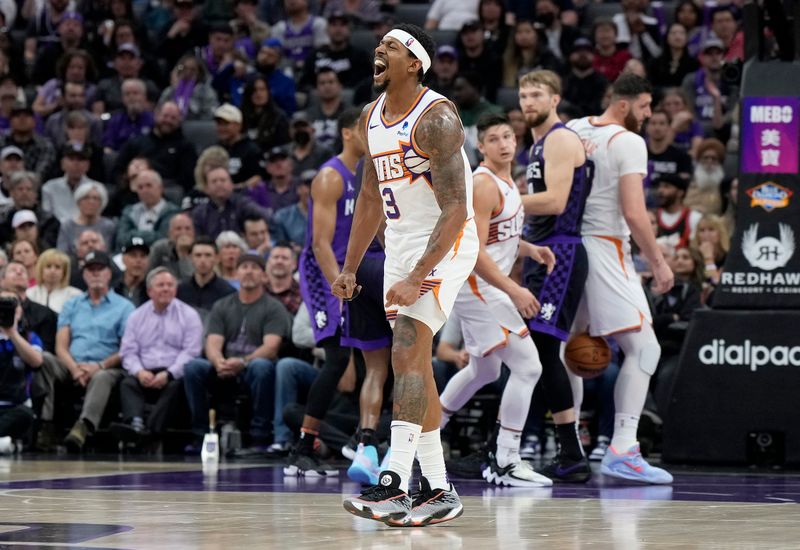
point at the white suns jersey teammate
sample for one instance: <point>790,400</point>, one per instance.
<point>412,211</point>
<point>606,233</point>
<point>502,246</point>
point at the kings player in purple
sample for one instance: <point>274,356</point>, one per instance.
<point>360,323</point>
<point>559,182</point>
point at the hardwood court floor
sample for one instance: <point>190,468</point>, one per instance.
<point>119,504</point>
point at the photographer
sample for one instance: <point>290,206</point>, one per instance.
<point>20,351</point>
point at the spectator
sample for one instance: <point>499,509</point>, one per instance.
<point>219,48</point>
<point>10,94</point>
<point>245,332</point>
<point>23,187</point>
<point>52,275</point>
<point>77,127</point>
<point>74,66</point>
<point>492,15</point>
<point>70,37</point>
<point>360,12</point>
<point>352,66</point>
<point>471,106</point>
<point>713,241</point>
<point>86,242</point>
<point>59,194</point>
<point>524,53</point>
<point>247,22</point>
<point>224,211</point>
<point>639,31</point>
<point>688,14</point>
<point>174,251</point>
<point>190,89</point>
<point>90,199</point>
<point>185,33</point>
<point>38,152</point>
<point>135,255</point>
<point>324,112</point>
<point>687,131</point>
<point>724,27</point>
<point>211,157</point>
<point>90,328</point>
<point>663,157</point>
<point>704,191</point>
<point>307,152</point>
<point>203,288</point>
<point>264,122</point>
<point>168,151</point>
<point>110,94</point>
<point>134,118</point>
<point>451,15</point>
<point>583,86</point>
<point>560,37</point>
<point>282,189</point>
<point>676,223</point>
<point>475,57</point>
<point>280,282</point>
<point>256,236</point>
<point>73,100</point>
<point>22,353</point>
<point>609,59</point>
<point>11,160</point>
<point>299,33</point>
<point>160,338</point>
<point>230,80</point>
<point>40,319</point>
<point>445,69</point>
<point>290,222</point>
<point>26,228</point>
<point>125,192</point>
<point>26,253</point>
<point>149,218</point>
<point>281,86</point>
<point>675,62</point>
<point>706,89</point>
<point>42,23</point>
<point>231,247</point>
<point>244,154</point>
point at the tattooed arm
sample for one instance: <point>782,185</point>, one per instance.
<point>367,219</point>
<point>440,136</point>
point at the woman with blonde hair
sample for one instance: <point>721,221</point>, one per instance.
<point>25,252</point>
<point>711,238</point>
<point>52,274</point>
<point>91,199</point>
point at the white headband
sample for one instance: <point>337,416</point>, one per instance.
<point>413,46</point>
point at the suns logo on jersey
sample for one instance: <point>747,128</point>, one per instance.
<point>503,230</point>
<point>390,166</point>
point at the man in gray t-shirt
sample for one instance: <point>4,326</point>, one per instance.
<point>245,332</point>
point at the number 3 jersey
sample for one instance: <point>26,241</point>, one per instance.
<point>404,176</point>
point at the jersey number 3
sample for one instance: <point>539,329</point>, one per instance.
<point>392,212</point>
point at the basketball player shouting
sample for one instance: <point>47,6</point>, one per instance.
<point>494,331</point>
<point>559,180</point>
<point>614,302</point>
<point>360,324</point>
<point>431,246</point>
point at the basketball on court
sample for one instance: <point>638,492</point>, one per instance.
<point>587,356</point>
<point>415,163</point>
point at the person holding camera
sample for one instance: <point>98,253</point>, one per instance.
<point>20,352</point>
<point>90,328</point>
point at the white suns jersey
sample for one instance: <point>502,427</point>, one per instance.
<point>505,226</point>
<point>404,176</point>
<point>603,213</point>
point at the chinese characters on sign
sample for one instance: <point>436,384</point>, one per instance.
<point>770,135</point>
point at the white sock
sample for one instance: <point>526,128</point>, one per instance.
<point>405,439</point>
<point>625,427</point>
<point>507,447</point>
<point>431,459</point>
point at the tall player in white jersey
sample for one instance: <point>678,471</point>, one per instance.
<point>419,180</point>
<point>614,301</point>
<point>494,331</point>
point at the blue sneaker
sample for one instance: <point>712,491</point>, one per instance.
<point>365,467</point>
<point>631,466</point>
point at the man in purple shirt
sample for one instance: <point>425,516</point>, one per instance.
<point>161,336</point>
<point>133,120</point>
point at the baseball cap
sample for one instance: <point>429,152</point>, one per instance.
<point>96,257</point>
<point>128,48</point>
<point>713,42</point>
<point>272,43</point>
<point>582,44</point>
<point>228,113</point>
<point>300,117</point>
<point>255,258</point>
<point>22,217</point>
<point>473,25</point>
<point>277,152</point>
<point>134,243</point>
<point>21,107</point>
<point>11,150</point>
<point>442,51</point>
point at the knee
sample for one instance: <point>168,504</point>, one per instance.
<point>130,382</point>
<point>261,369</point>
<point>196,369</point>
<point>104,377</point>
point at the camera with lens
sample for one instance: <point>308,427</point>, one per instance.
<point>8,310</point>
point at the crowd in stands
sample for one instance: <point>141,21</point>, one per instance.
<point>155,165</point>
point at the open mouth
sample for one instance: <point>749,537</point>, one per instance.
<point>379,67</point>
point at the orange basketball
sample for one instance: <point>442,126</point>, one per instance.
<point>587,356</point>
